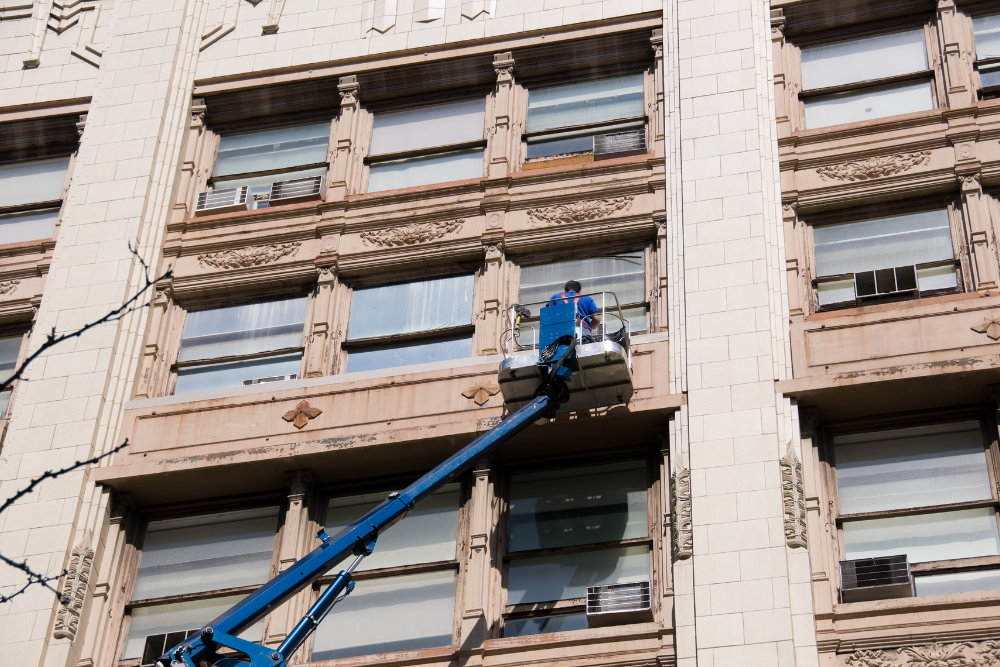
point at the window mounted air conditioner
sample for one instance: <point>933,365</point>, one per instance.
<point>296,190</point>
<point>875,579</point>
<point>211,202</point>
<point>617,604</point>
<point>883,282</point>
<point>269,379</point>
<point>619,144</point>
<point>157,645</point>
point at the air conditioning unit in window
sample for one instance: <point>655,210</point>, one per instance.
<point>272,378</point>
<point>884,282</point>
<point>211,202</point>
<point>875,579</point>
<point>617,604</point>
<point>157,645</point>
<point>619,144</point>
<point>296,190</point>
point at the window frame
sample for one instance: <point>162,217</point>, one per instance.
<point>13,330</point>
<point>52,204</point>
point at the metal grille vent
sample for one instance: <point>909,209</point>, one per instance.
<point>616,144</point>
<point>157,645</point>
<point>885,281</point>
<point>271,378</point>
<point>875,578</point>
<point>219,200</point>
<point>310,187</point>
<point>619,603</point>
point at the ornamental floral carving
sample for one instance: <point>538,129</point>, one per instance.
<point>241,258</point>
<point>481,391</point>
<point>990,326</point>
<point>8,286</point>
<point>794,499</point>
<point>300,415</point>
<point>581,211</point>
<point>682,537</point>
<point>74,592</point>
<point>412,234</point>
<point>873,167</point>
<point>961,654</point>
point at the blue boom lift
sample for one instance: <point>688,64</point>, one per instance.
<point>557,363</point>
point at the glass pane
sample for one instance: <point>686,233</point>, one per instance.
<point>959,582</point>
<point>426,535</point>
<point>541,624</point>
<point>926,537</point>
<point>868,103</point>
<point>989,76</point>
<point>427,127</point>
<point>421,305</point>
<point>232,374</point>
<point>863,59</point>
<point>882,243</point>
<point>391,614</point>
<point>562,508</point>
<point>272,149</point>
<point>911,467</point>
<point>625,275</point>
<point>836,292</point>
<point>987,31</point>
<point>9,349</point>
<point>192,615</point>
<point>248,329</point>
<point>586,102</point>
<point>262,184</point>
<point>442,168</point>
<point>937,277</point>
<point>32,182</point>
<point>568,576</point>
<point>206,552</point>
<point>578,144</point>
<point>409,354</point>
<point>28,226</point>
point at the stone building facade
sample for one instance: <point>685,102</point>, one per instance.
<point>794,203</point>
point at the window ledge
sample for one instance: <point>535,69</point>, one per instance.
<point>259,213</point>
<point>845,610</point>
<point>865,126</point>
<point>896,306</point>
<point>432,187</point>
<point>586,166</point>
<point>571,637</point>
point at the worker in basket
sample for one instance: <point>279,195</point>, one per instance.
<point>586,310</point>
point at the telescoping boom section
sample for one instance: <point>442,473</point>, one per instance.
<point>557,369</point>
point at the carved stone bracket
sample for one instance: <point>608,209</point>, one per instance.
<point>581,211</point>
<point>794,499</point>
<point>412,234</point>
<point>681,533</point>
<point>241,258</point>
<point>970,182</point>
<point>299,483</point>
<point>74,591</point>
<point>962,654</point>
<point>873,167</point>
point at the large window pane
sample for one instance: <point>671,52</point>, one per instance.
<point>9,349</point>
<point>206,552</point>
<point>232,374</point>
<point>537,625</point>
<point>863,59</point>
<point>568,576</point>
<point>32,182</point>
<point>407,354</point>
<point>428,127</point>
<point>392,614</point>
<point>925,537</point>
<point>411,172</point>
<point>584,103</point>
<point>868,103</point>
<point>625,275</point>
<point>426,535</point>
<point>247,329</point>
<point>272,149</point>
<point>958,582</point>
<point>580,506</point>
<point>28,226</point>
<point>912,467</point>
<point>987,31</point>
<point>422,305</point>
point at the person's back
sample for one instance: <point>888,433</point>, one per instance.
<point>586,308</point>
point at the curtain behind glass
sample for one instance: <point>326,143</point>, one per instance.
<point>863,59</point>
<point>422,305</point>
<point>925,537</point>
<point>868,104</point>
<point>272,149</point>
<point>428,127</point>
<point>427,534</point>
<point>32,182</point>
<point>584,103</point>
<point>987,31</point>
<point>912,467</point>
<point>567,576</point>
<point>206,552</point>
<point>412,172</point>
<point>625,275</point>
<point>28,226</point>
<point>247,329</point>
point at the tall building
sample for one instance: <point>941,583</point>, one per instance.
<point>792,207</point>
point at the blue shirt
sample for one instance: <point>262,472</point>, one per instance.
<point>585,306</point>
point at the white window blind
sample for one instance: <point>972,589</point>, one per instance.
<point>9,349</point>
<point>567,576</point>
<point>863,59</point>
<point>868,104</point>
<point>272,149</point>
<point>413,172</point>
<point>925,537</point>
<point>247,329</point>
<point>423,305</point>
<point>585,103</point>
<point>32,182</point>
<point>378,357</point>
<point>912,467</point>
<point>987,32</point>
<point>428,127</point>
<point>28,226</point>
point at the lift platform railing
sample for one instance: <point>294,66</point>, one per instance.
<point>521,319</point>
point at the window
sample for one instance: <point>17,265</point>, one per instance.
<point>987,32</point>
<point>566,119</point>
<point>30,197</point>
<point>570,529</point>
<point>925,492</point>
<point>410,323</point>
<point>847,251</point>
<point>10,348</point>
<point>866,78</point>
<point>258,159</point>
<point>195,568</point>
<point>428,145</point>
<point>239,345</point>
<point>624,275</point>
<point>411,607</point>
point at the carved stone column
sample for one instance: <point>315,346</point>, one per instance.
<point>793,272</point>
<point>341,172</point>
<point>149,376</point>
<point>318,361</point>
<point>818,528</point>
<point>187,191</point>
<point>489,327</point>
<point>503,102</point>
<point>781,101</point>
<point>655,113</point>
<point>294,544</point>
<point>982,256</point>
<point>662,286</point>
<point>956,72</point>
<point>483,517</point>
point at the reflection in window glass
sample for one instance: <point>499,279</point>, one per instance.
<point>567,576</point>
<point>33,182</point>
<point>272,149</point>
<point>541,624</point>
<point>925,537</point>
<point>9,349</point>
<point>211,377</point>
<point>957,582</point>
<point>585,103</point>
<point>422,305</point>
<point>426,170</point>
<point>868,104</point>
<point>987,32</point>
<point>408,354</point>
<point>863,59</point>
<point>428,127</point>
<point>28,226</point>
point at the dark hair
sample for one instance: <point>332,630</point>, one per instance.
<point>573,286</point>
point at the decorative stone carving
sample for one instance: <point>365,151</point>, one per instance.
<point>581,211</point>
<point>681,534</point>
<point>503,66</point>
<point>481,391</point>
<point>493,249</point>
<point>242,258</point>
<point>970,181</point>
<point>412,234</point>
<point>299,482</point>
<point>966,151</point>
<point>961,654</point>
<point>873,167</point>
<point>301,414</point>
<point>74,592</point>
<point>348,88</point>
<point>794,499</point>
<point>990,326</point>
<point>8,286</point>
<point>494,221</point>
